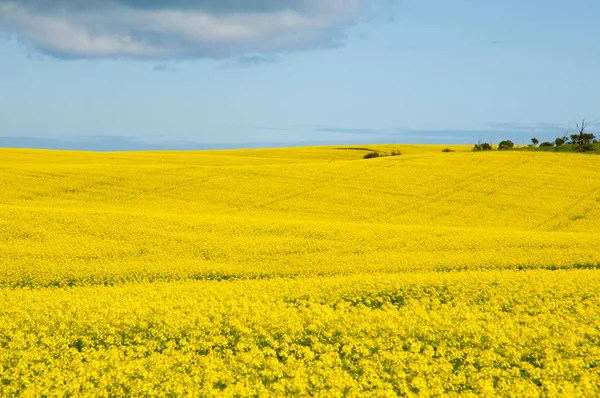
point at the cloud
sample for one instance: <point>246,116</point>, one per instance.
<point>493,133</point>
<point>111,144</point>
<point>349,130</point>
<point>164,68</point>
<point>529,127</point>
<point>153,29</point>
<point>268,128</point>
<point>160,68</point>
<point>247,61</point>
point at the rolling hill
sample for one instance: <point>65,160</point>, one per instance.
<point>299,271</point>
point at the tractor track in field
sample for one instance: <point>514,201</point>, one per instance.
<point>446,192</point>
<point>299,192</point>
<point>174,186</point>
<point>563,218</point>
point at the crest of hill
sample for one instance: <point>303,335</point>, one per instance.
<point>217,157</point>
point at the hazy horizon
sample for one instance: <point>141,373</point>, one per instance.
<point>520,135</point>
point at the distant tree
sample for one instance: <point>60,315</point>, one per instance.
<point>376,154</point>
<point>583,142</point>
<point>582,139</point>
<point>559,141</point>
<point>506,144</point>
<point>574,139</point>
<point>534,141</point>
<point>372,155</point>
<point>546,144</point>
<point>482,146</point>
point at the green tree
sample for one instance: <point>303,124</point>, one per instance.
<point>506,144</point>
<point>534,141</point>
<point>583,140</point>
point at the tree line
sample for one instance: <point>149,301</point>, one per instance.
<point>581,141</point>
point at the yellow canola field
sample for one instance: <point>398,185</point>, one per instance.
<point>511,333</point>
<point>76,219</point>
<point>299,271</point>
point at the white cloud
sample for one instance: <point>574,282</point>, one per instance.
<point>70,28</point>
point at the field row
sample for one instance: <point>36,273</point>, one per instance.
<point>75,248</point>
<point>513,333</point>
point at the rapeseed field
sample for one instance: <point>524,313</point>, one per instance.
<point>300,272</point>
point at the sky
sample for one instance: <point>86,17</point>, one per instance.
<point>139,74</point>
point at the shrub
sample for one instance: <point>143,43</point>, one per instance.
<point>371,155</point>
<point>559,141</point>
<point>482,147</point>
<point>546,144</point>
<point>534,141</point>
<point>447,150</point>
<point>587,146</point>
<point>376,154</point>
<point>506,144</point>
<point>583,141</point>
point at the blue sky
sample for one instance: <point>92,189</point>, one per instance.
<point>135,74</point>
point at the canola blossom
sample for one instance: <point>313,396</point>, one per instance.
<point>300,271</point>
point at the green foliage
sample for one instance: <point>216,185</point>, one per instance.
<point>447,150</point>
<point>372,155</point>
<point>547,144</point>
<point>506,144</point>
<point>586,147</point>
<point>535,141</point>
<point>588,137</point>
<point>583,141</point>
<point>559,141</point>
<point>484,146</point>
<point>377,154</point>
